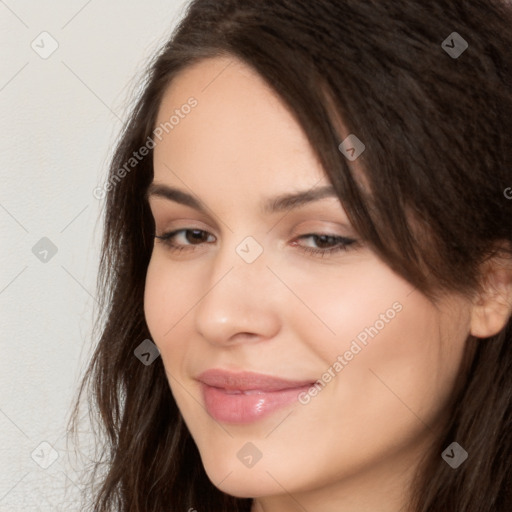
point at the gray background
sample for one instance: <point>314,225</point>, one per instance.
<point>60,117</point>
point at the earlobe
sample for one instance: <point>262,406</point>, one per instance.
<point>492,308</point>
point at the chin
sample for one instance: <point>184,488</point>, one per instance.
<point>242,482</point>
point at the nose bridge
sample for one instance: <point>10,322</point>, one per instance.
<point>238,296</point>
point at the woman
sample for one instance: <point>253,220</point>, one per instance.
<point>306,269</point>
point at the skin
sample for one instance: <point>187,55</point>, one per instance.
<point>354,446</point>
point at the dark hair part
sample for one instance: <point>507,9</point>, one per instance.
<point>438,158</point>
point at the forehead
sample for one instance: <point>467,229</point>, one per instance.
<point>239,127</point>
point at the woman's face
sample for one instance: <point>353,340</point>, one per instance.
<point>257,284</point>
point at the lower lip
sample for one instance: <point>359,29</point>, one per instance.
<point>241,408</point>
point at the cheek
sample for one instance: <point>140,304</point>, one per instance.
<point>384,348</point>
<point>155,301</point>
<point>165,298</point>
<point>357,302</point>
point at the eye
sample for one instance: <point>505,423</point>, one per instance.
<point>334,243</point>
<point>327,244</point>
<point>195,236</point>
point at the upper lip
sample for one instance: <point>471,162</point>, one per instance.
<point>245,381</point>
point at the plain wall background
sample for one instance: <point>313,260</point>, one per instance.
<point>59,119</point>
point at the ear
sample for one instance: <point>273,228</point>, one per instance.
<point>492,307</point>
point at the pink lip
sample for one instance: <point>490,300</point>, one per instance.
<point>246,397</point>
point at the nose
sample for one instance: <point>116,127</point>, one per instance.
<point>240,302</point>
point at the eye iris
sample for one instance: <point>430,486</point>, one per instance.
<point>324,241</point>
<point>196,235</point>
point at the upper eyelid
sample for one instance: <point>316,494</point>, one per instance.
<point>189,224</point>
<point>210,221</point>
<point>295,232</point>
<point>311,218</point>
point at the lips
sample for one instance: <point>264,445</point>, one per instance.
<point>246,397</point>
<point>248,381</point>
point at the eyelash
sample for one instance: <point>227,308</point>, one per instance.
<point>343,243</point>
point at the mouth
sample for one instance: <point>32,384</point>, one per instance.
<point>245,397</point>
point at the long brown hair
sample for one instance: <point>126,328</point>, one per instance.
<point>437,129</point>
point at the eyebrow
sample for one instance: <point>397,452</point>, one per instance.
<point>280,203</point>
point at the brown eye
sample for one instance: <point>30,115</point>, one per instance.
<point>191,237</point>
<point>327,244</point>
